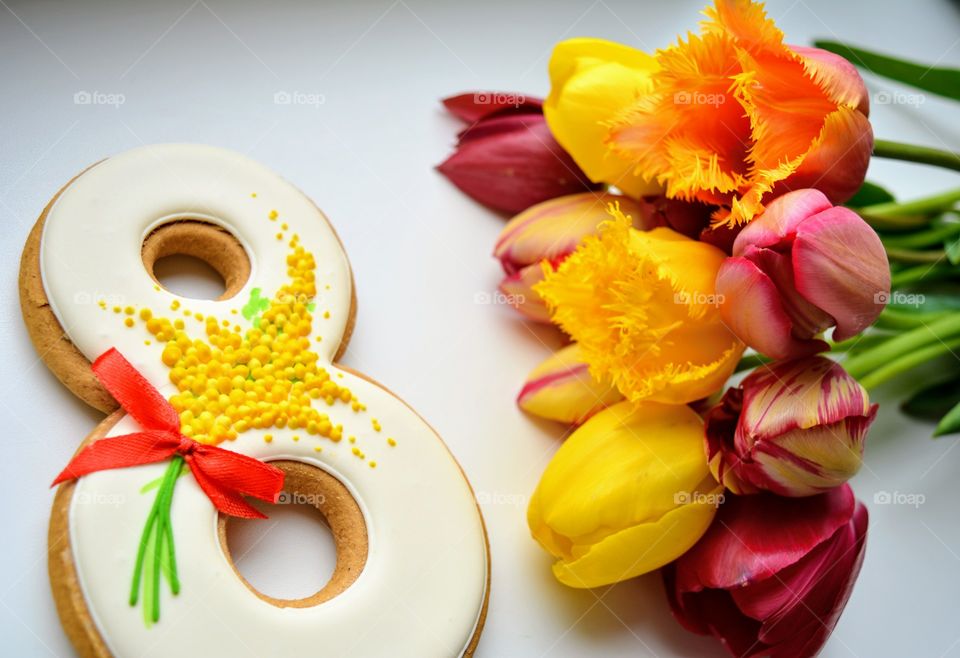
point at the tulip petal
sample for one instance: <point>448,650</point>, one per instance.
<point>841,267</point>
<point>518,291</point>
<point>639,549</point>
<point>837,76</point>
<point>758,536</point>
<point>591,81</point>
<point>554,228</point>
<point>751,308</point>
<point>780,219</point>
<point>561,388</point>
<point>609,505</point>
<point>836,162</point>
<point>475,105</point>
<point>514,168</point>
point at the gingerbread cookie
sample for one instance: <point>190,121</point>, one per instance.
<point>226,398</point>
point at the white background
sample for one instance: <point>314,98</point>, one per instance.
<point>207,71</point>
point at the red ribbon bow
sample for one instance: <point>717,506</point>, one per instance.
<point>225,476</point>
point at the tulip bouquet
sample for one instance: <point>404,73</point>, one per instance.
<point>683,217</point>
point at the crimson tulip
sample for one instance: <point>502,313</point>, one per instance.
<point>772,575</point>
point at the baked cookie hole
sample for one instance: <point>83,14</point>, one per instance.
<point>196,259</point>
<point>328,556</point>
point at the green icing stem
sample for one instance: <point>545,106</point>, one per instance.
<point>152,559</point>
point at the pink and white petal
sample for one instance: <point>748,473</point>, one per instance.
<point>562,389</point>
<point>554,228</point>
<point>780,219</point>
<point>751,308</point>
<point>518,292</point>
<point>842,268</point>
<point>755,537</point>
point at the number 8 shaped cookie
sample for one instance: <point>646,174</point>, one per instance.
<point>138,558</point>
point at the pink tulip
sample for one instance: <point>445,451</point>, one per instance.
<point>795,428</point>
<point>798,269</point>
<point>507,159</point>
<point>772,575</point>
<point>549,232</point>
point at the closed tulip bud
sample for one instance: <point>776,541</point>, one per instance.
<point>507,159</point>
<point>628,492</point>
<point>549,232</point>
<point>795,428</point>
<point>772,575</point>
<point>562,388</point>
<point>801,267</point>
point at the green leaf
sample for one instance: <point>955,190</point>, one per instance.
<point>870,194</point>
<point>933,402</point>
<point>952,248</point>
<point>937,80</point>
<point>950,423</point>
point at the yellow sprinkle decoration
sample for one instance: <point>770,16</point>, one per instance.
<point>391,442</point>
<point>117,309</point>
<point>268,438</point>
<point>128,322</point>
<point>376,424</point>
<point>231,381</point>
<point>273,215</point>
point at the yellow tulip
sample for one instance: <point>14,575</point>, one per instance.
<point>591,82</point>
<point>643,307</point>
<point>627,493</point>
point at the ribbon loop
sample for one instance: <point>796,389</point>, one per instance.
<point>224,476</point>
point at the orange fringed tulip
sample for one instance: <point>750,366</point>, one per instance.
<point>730,117</point>
<point>643,308</point>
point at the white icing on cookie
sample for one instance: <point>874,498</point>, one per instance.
<point>423,587</point>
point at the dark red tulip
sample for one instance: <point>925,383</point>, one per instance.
<point>507,159</point>
<point>772,575</point>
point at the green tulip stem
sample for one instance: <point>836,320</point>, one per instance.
<point>751,361</point>
<point>914,256</point>
<point>908,361</point>
<point>918,273</point>
<point>909,215</point>
<point>933,236</point>
<point>883,148</point>
<point>934,332</point>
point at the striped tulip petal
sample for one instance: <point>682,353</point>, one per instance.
<point>562,388</point>
<point>553,229</point>
<point>796,428</point>
<point>519,293</point>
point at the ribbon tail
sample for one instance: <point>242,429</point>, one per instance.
<point>240,473</point>
<point>120,452</point>
<point>226,500</point>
